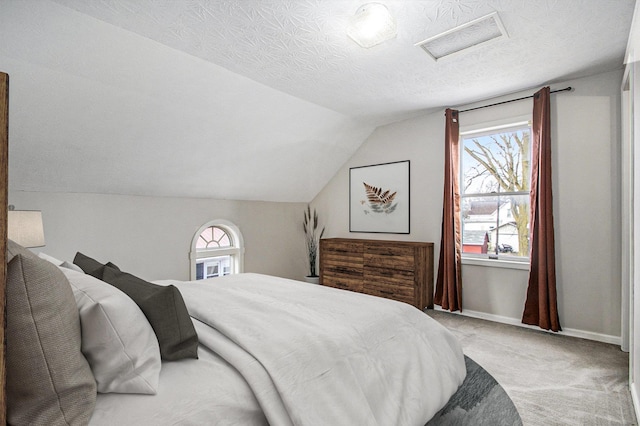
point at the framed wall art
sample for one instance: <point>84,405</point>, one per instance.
<point>379,198</point>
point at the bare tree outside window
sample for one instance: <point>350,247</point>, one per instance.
<point>495,191</point>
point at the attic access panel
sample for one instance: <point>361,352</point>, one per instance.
<point>463,37</point>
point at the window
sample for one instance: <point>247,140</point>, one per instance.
<point>217,249</point>
<point>494,192</point>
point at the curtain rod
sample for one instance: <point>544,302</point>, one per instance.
<point>566,89</point>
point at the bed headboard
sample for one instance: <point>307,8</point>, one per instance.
<point>4,162</point>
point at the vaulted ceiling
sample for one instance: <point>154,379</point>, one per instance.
<point>257,99</point>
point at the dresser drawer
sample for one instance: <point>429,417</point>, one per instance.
<point>343,282</point>
<point>343,269</point>
<point>394,277</point>
<point>400,293</point>
<point>390,258</point>
<point>342,248</point>
<point>333,260</point>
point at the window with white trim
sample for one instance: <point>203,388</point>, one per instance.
<point>495,173</point>
<point>217,249</point>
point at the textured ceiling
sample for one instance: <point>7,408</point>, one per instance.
<point>300,46</point>
<point>257,99</point>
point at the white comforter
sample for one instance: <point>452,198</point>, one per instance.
<point>301,354</point>
<point>317,356</point>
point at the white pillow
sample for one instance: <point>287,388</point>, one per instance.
<point>72,266</point>
<point>50,259</point>
<point>117,339</point>
<point>58,262</point>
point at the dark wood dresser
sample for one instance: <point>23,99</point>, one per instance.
<point>399,270</point>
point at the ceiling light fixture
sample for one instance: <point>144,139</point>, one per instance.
<point>371,25</point>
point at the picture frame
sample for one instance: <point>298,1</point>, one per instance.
<point>379,198</point>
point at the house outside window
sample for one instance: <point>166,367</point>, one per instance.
<point>495,169</point>
<point>217,250</point>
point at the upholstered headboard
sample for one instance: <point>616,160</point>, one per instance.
<point>4,161</point>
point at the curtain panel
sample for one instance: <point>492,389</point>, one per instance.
<point>541,304</point>
<point>449,282</point>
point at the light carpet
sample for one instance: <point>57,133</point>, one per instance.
<point>552,379</point>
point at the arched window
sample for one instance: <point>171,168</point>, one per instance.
<point>217,249</point>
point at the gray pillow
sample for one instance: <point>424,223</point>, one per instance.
<point>165,310</point>
<point>14,248</point>
<point>48,379</point>
<point>88,265</point>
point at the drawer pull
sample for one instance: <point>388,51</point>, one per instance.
<point>386,292</point>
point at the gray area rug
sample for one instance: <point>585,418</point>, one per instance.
<point>479,401</point>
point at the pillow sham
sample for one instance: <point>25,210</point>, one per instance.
<point>111,265</point>
<point>164,308</point>
<point>117,339</point>
<point>58,262</point>
<point>14,248</point>
<point>88,265</point>
<point>71,266</point>
<point>51,259</point>
<point>48,379</point>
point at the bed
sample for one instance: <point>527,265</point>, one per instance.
<point>263,350</point>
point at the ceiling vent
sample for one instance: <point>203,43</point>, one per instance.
<point>464,37</point>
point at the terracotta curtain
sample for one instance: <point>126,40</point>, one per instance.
<point>449,281</point>
<point>541,305</point>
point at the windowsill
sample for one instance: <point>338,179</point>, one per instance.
<point>495,263</point>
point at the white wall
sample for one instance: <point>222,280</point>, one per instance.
<point>586,143</point>
<point>634,219</point>
<point>631,202</point>
<point>151,236</point>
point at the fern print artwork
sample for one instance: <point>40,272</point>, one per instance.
<point>378,200</point>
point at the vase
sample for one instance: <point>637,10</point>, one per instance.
<point>312,280</point>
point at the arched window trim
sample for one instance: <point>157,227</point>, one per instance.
<point>237,250</point>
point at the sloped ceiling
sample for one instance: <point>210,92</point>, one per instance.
<point>256,99</point>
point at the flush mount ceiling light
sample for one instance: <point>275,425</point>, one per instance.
<point>371,25</point>
<point>463,37</point>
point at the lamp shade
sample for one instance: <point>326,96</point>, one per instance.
<point>371,25</point>
<point>25,228</point>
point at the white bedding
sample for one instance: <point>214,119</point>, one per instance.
<point>302,354</point>
<point>206,391</point>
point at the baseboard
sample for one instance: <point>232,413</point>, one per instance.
<point>634,399</point>
<point>589,335</point>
